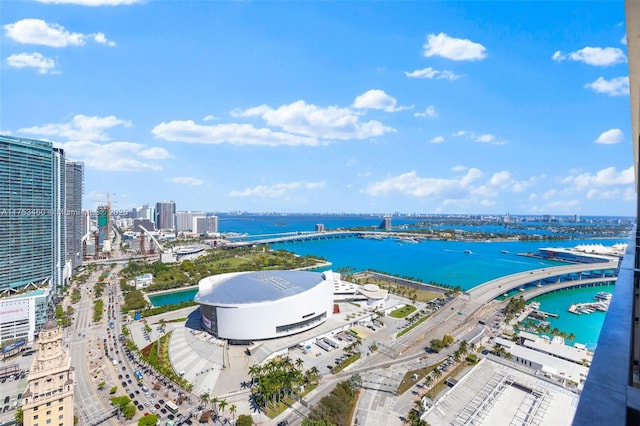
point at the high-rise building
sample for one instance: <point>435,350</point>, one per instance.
<point>212,224</point>
<point>199,225</point>
<point>103,217</point>
<point>73,211</point>
<point>26,206</point>
<point>166,215</point>
<point>48,399</point>
<point>59,222</point>
<point>184,220</point>
<point>385,224</point>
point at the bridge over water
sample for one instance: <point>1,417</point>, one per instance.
<point>539,281</point>
<point>298,237</point>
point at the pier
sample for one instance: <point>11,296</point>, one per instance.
<point>537,313</point>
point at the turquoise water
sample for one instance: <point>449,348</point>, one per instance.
<point>443,262</point>
<point>586,327</point>
<point>173,297</point>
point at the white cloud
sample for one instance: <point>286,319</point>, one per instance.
<point>237,134</point>
<point>437,139</point>
<point>94,2</point>
<point>34,60</point>
<point>610,137</point>
<point>487,138</point>
<point>429,112</point>
<point>81,127</point>
<point>102,39</point>
<point>605,177</point>
<point>377,99</point>
<point>187,180</point>
<point>615,87</point>
<point>411,184</point>
<point>37,31</point>
<point>500,178</point>
<point>310,120</point>
<point>114,156</point>
<point>623,40</point>
<point>432,73</point>
<point>456,49</point>
<point>209,118</point>
<point>598,56</point>
<point>459,133</point>
<point>277,190</point>
<point>155,153</point>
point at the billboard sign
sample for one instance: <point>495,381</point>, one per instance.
<point>13,346</point>
<point>14,310</point>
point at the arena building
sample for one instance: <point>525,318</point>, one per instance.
<point>246,306</point>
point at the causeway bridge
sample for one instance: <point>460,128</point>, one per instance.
<point>535,282</point>
<point>297,237</point>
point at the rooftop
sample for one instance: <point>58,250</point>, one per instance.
<point>255,287</point>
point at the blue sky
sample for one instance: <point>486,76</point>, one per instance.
<point>413,107</point>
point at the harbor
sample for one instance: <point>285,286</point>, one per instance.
<point>600,304</point>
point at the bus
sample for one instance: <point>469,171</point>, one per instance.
<point>138,375</point>
<point>171,406</point>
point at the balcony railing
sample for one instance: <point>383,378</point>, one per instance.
<point>611,394</point>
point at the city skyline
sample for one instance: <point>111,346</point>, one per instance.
<point>434,107</point>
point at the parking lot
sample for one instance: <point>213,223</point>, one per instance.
<point>13,386</point>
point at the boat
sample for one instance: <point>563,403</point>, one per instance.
<point>603,295</point>
<point>468,252</point>
<point>505,251</point>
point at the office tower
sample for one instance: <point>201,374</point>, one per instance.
<point>184,220</point>
<point>200,225</point>
<point>166,215</point>
<point>26,203</point>
<point>73,211</point>
<point>48,399</point>
<point>212,224</point>
<point>103,217</point>
<point>146,212</point>
<point>59,222</point>
<point>385,224</point>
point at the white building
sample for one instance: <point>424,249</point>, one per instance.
<point>212,224</point>
<point>199,225</point>
<point>143,281</point>
<point>23,316</point>
<point>248,306</point>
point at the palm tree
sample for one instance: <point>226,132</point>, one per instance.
<point>299,363</point>
<point>437,373</point>
<point>205,397</point>
<point>222,405</point>
<point>214,403</point>
<point>232,410</point>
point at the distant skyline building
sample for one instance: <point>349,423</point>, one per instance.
<point>184,220</point>
<point>199,225</point>
<point>212,224</point>
<point>103,214</point>
<point>74,188</point>
<point>166,215</point>
<point>26,203</point>
<point>386,224</point>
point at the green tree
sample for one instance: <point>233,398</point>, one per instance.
<point>149,420</point>
<point>244,420</point>
<point>19,416</point>
<point>436,345</point>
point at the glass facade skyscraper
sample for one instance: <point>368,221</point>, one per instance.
<point>26,212</point>
<point>74,183</point>
<point>166,215</point>
<point>57,216</point>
